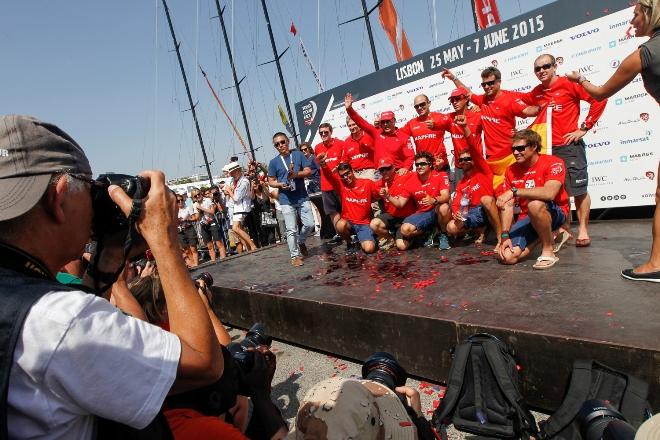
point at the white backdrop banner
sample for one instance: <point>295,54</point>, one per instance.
<point>591,36</point>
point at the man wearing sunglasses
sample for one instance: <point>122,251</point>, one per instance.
<point>329,152</point>
<point>473,205</point>
<point>564,97</point>
<point>387,224</point>
<point>287,172</point>
<point>428,131</point>
<point>534,187</point>
<point>388,140</point>
<point>356,196</point>
<point>430,191</point>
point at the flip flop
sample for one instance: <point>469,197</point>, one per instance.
<point>582,242</point>
<point>563,238</point>
<point>545,259</point>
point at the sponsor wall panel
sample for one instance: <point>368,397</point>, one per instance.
<point>593,39</point>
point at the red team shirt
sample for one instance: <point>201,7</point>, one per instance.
<point>480,183</point>
<point>546,168</point>
<point>395,188</point>
<point>458,139</point>
<point>397,145</point>
<point>359,153</point>
<point>426,139</point>
<point>335,153</point>
<point>356,200</point>
<point>415,188</point>
<point>498,117</point>
<point>564,96</point>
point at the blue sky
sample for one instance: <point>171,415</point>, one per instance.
<point>106,72</point>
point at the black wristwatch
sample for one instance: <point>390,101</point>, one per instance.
<point>514,190</point>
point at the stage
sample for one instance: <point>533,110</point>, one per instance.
<point>418,304</point>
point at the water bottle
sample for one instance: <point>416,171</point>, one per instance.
<point>465,204</point>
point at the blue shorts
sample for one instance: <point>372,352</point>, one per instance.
<point>475,218</point>
<point>363,232</point>
<point>423,221</point>
<point>522,233</point>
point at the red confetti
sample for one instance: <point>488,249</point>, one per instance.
<point>441,392</point>
<point>428,392</point>
<point>423,384</point>
<point>610,314</point>
<point>443,259</point>
<point>487,253</point>
<point>302,368</point>
<point>423,284</point>
<point>343,367</point>
<point>436,403</point>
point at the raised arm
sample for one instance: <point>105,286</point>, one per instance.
<point>359,120</point>
<point>624,74</point>
<point>446,73</point>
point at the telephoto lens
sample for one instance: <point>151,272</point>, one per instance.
<point>600,420</point>
<point>383,368</point>
<point>108,217</point>
<point>206,277</point>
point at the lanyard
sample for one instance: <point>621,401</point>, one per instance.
<point>15,259</point>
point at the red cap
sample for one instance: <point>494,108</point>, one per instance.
<point>386,116</point>
<point>458,92</point>
<point>385,162</point>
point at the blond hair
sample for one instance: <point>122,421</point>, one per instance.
<point>651,10</point>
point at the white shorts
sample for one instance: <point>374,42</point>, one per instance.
<point>238,218</point>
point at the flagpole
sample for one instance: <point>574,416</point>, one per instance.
<point>371,37</point>
<point>237,83</point>
<point>279,71</point>
<point>474,15</point>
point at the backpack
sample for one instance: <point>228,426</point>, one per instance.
<point>593,380</point>
<point>483,395</point>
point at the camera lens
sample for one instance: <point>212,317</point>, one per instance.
<point>383,368</point>
<point>206,277</point>
<point>594,419</point>
<point>257,336</point>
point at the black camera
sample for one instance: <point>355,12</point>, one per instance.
<point>206,277</point>
<point>108,217</point>
<point>383,368</point>
<point>255,337</point>
<point>600,420</point>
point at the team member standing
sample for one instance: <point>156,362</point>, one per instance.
<point>287,172</point>
<point>388,140</point>
<point>428,131</point>
<point>329,152</point>
<point>387,224</point>
<point>564,97</point>
<point>534,186</point>
<point>359,151</point>
<point>430,191</point>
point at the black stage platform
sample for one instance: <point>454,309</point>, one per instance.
<point>419,303</point>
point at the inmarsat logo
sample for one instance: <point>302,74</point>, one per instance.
<point>309,112</point>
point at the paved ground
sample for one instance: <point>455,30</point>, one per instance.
<point>299,369</point>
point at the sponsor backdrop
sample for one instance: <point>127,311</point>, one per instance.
<point>591,36</point>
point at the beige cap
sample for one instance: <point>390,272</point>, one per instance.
<point>650,429</point>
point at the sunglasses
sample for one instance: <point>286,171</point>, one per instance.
<point>345,175</point>
<point>488,83</point>
<point>383,169</point>
<point>456,98</point>
<point>277,144</point>
<point>387,121</point>
<point>465,159</point>
<point>421,164</point>
<point>420,105</point>
<point>543,67</point>
<point>179,200</point>
<point>520,148</point>
<point>324,133</point>
<point>304,149</point>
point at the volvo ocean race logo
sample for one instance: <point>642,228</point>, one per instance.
<point>309,112</point>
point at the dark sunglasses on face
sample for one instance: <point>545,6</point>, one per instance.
<point>543,67</point>
<point>519,148</point>
<point>304,149</point>
<point>387,121</point>
<point>420,105</point>
<point>324,133</point>
<point>456,99</point>
<point>277,144</point>
<point>465,159</point>
<point>345,175</point>
<point>383,169</point>
<point>488,83</point>
<point>421,164</point>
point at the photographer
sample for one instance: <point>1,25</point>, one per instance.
<point>74,350</point>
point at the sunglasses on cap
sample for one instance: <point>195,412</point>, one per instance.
<point>420,105</point>
<point>520,148</point>
<point>421,164</point>
<point>545,66</point>
<point>465,159</point>
<point>283,142</point>
<point>488,83</point>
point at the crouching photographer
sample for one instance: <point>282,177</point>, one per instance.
<point>379,406</point>
<point>85,359</point>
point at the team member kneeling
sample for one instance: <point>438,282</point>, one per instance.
<point>534,186</point>
<point>430,191</point>
<point>473,205</point>
<point>356,196</point>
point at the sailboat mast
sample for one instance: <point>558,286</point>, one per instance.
<point>237,83</point>
<point>279,71</point>
<point>185,81</point>
<point>371,36</point>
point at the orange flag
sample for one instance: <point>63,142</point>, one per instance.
<point>390,22</point>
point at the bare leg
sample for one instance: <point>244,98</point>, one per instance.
<point>244,236</point>
<point>542,223</point>
<point>211,249</point>
<point>582,207</point>
<point>379,229</point>
<point>653,265</point>
<point>344,229</point>
<point>488,203</point>
<point>194,258</point>
<point>221,248</point>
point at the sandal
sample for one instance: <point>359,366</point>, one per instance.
<point>563,238</point>
<point>582,242</point>
<point>551,260</point>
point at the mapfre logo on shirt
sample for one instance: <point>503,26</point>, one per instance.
<point>556,169</point>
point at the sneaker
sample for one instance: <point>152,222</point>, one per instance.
<point>443,244</point>
<point>429,240</point>
<point>297,261</point>
<point>385,244</point>
<point>653,277</point>
<point>303,250</point>
<point>351,248</point>
<point>336,239</point>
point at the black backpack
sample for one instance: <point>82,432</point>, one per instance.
<point>593,380</point>
<point>483,395</point>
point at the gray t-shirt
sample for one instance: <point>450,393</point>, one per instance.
<point>650,54</point>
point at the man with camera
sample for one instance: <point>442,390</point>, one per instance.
<point>209,227</point>
<point>74,356</point>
